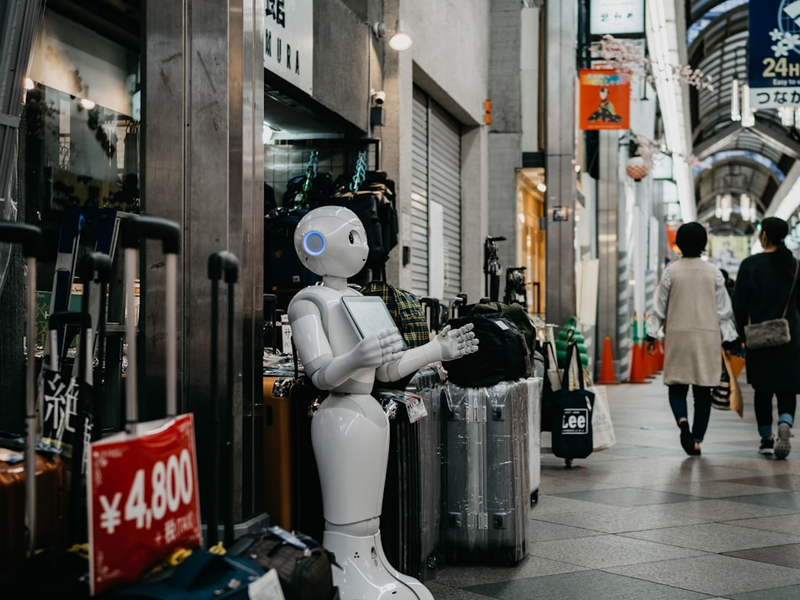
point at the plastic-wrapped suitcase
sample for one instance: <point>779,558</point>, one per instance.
<point>411,511</point>
<point>33,510</point>
<point>535,385</point>
<point>486,473</point>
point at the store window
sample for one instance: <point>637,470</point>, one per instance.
<point>81,123</point>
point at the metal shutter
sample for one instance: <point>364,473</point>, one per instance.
<point>435,177</point>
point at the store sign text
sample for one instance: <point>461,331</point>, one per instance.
<point>288,38</point>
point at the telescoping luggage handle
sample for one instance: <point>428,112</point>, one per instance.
<point>30,238</point>
<point>134,230</point>
<point>221,265</point>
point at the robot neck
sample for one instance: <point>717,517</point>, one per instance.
<point>337,283</point>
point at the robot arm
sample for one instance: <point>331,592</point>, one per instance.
<point>448,345</point>
<point>326,370</point>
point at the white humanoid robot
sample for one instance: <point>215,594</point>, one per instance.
<point>350,432</point>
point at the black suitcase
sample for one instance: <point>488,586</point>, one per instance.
<point>411,511</point>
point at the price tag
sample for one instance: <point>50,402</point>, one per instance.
<point>143,500</point>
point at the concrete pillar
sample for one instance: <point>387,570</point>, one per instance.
<point>560,27</point>
<point>203,168</point>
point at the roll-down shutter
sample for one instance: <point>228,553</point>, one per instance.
<point>435,190</point>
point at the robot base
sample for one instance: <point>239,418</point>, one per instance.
<point>365,573</point>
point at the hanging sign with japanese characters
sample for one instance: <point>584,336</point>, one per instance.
<point>143,500</point>
<point>605,97</point>
<point>774,54</point>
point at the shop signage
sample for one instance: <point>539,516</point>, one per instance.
<point>143,500</point>
<point>773,68</point>
<point>605,97</point>
<point>616,17</point>
<point>289,41</point>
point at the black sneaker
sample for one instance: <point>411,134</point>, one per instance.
<point>767,446</point>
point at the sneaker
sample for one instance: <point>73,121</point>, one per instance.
<point>767,446</point>
<point>783,445</point>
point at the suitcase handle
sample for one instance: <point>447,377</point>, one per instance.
<point>28,236</point>
<point>133,229</point>
<point>95,266</point>
<point>155,228</point>
<point>223,263</point>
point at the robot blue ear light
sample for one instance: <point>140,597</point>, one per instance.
<point>314,243</point>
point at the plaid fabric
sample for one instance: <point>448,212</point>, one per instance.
<point>406,309</point>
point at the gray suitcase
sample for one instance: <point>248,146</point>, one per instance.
<point>535,385</point>
<point>486,473</point>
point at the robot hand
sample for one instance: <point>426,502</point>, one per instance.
<point>375,350</point>
<point>455,343</point>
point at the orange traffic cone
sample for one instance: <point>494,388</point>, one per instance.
<point>637,365</point>
<point>607,375</point>
<point>648,368</point>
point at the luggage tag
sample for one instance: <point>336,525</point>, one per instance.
<point>415,407</point>
<point>266,587</point>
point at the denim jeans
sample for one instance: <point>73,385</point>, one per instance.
<point>702,407</point>
<point>762,403</point>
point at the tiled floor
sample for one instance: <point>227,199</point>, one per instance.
<point>644,521</point>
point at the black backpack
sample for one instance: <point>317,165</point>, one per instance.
<point>502,352</point>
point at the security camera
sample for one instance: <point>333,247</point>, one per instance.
<point>379,97</point>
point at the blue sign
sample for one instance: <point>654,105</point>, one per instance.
<point>773,70</point>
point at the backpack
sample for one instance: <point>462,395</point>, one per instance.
<point>502,352</point>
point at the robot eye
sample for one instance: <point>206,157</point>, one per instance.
<point>355,238</point>
<point>314,243</point>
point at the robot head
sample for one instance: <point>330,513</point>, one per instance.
<point>330,240</point>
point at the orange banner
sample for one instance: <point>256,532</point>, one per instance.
<point>605,100</point>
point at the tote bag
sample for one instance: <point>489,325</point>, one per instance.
<point>572,419</point>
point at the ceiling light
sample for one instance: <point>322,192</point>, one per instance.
<point>541,187</point>
<point>87,104</point>
<point>29,85</point>
<point>398,39</point>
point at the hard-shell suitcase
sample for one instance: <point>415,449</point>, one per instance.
<point>535,385</point>
<point>411,511</point>
<point>32,509</point>
<point>487,492</point>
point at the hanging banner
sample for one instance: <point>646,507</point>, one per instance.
<point>605,98</point>
<point>773,68</point>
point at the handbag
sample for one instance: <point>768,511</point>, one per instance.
<point>774,332</point>
<point>302,564</point>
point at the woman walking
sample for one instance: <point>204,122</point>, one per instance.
<point>694,309</point>
<point>765,289</point>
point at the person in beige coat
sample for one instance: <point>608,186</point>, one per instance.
<point>693,309</point>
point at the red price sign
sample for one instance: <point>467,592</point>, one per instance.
<point>143,500</point>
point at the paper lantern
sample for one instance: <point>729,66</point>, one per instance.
<point>637,168</point>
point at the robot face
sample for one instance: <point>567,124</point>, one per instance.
<point>331,240</point>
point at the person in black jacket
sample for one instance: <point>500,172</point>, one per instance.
<point>765,286</point>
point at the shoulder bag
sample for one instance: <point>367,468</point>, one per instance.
<point>774,332</point>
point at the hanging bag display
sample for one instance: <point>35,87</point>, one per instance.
<point>572,419</point>
<point>774,332</point>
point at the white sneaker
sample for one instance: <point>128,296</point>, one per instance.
<point>782,444</point>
